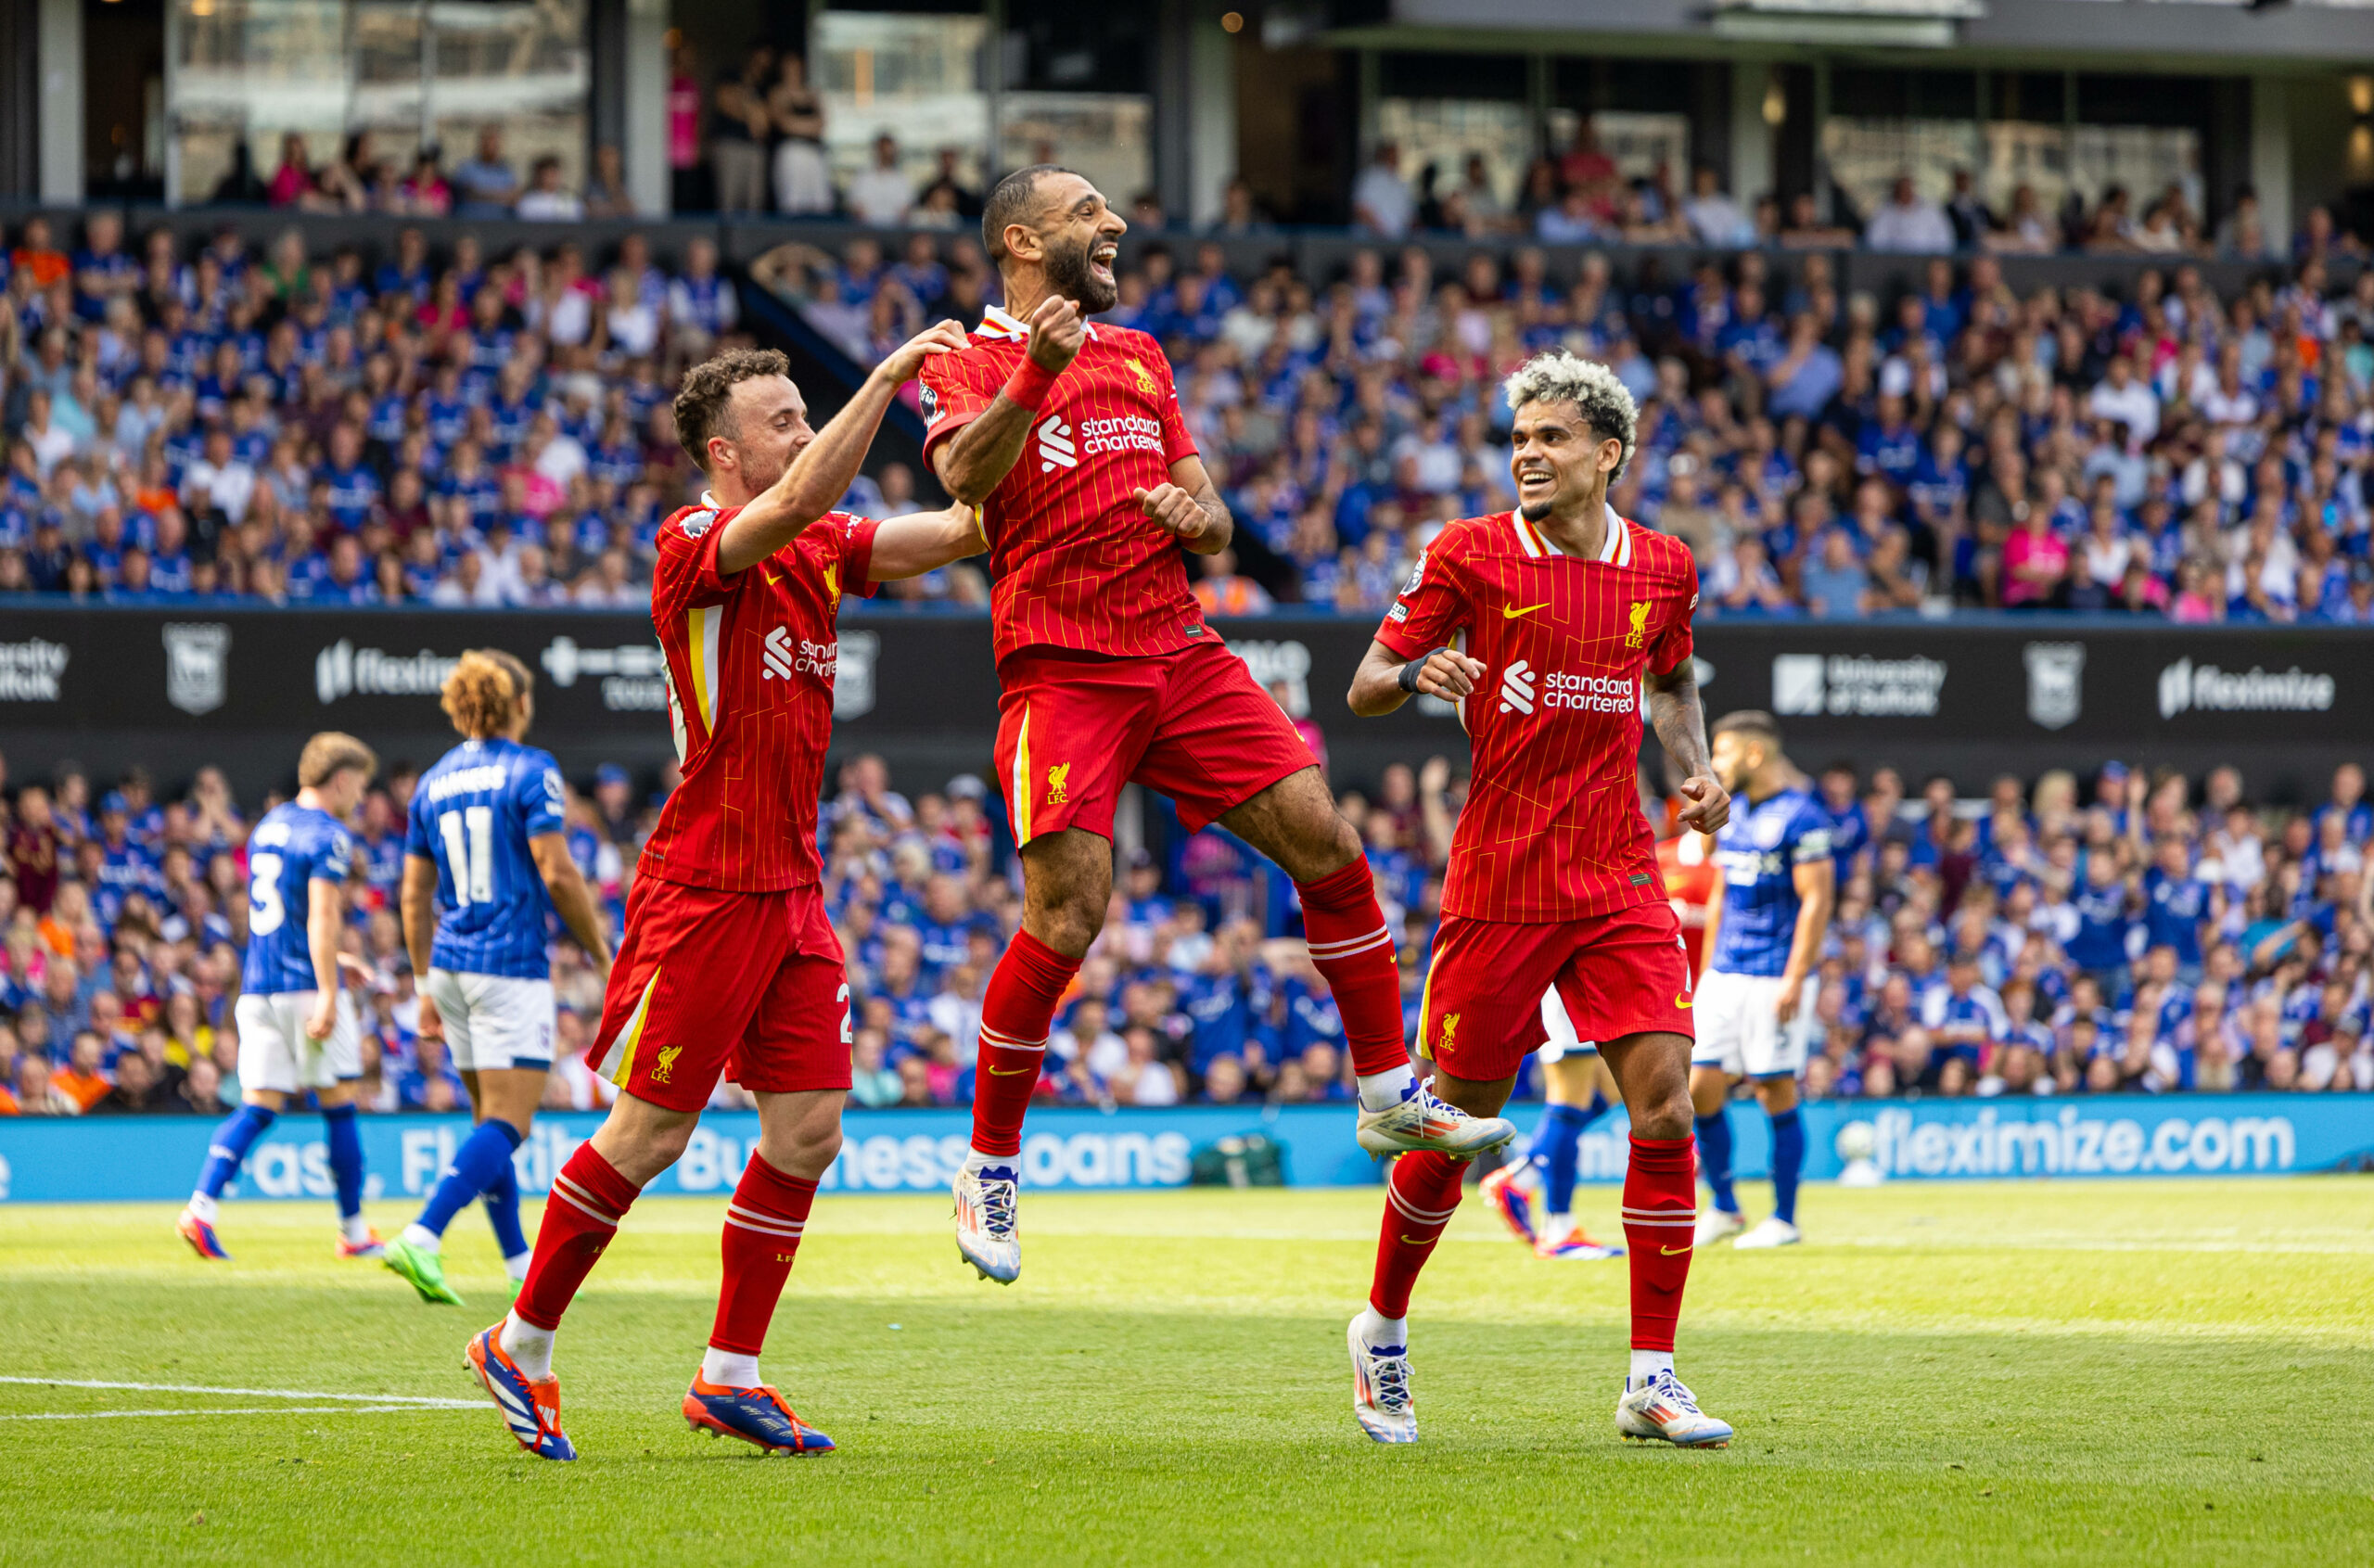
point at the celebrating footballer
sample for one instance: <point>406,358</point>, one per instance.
<point>1544,625</point>
<point>1067,435</point>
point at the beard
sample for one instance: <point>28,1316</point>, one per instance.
<point>761,471</point>
<point>1534,511</point>
<point>1067,276</point>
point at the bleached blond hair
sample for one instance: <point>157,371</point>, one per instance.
<point>1604,403</point>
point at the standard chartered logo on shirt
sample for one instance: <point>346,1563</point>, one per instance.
<point>1516,688</point>
<point>1055,448</point>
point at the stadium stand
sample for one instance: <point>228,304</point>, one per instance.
<point>2149,448</point>
<point>2139,935</point>
<point>452,425</point>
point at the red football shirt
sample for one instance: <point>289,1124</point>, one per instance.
<point>1552,829</point>
<point>750,664</point>
<point>1078,565</point>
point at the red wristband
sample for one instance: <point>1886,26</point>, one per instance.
<point>1028,383</point>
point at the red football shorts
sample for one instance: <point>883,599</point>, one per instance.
<point>747,986</point>
<point>1073,727</point>
<point>1621,974</point>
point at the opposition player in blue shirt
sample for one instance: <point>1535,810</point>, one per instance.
<point>486,867</point>
<point>1765,923</point>
<point>299,1029</point>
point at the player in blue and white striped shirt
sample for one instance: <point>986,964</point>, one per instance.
<point>1765,925</point>
<point>486,866</point>
<point>298,1030</point>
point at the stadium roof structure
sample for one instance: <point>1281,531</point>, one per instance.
<point>2177,34</point>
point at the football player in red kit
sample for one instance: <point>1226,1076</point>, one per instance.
<point>1545,625</point>
<point>729,964</point>
<point>1068,437</point>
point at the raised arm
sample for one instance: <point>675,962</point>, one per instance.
<point>971,461</point>
<point>922,542</point>
<point>820,475</point>
<point>1680,722</point>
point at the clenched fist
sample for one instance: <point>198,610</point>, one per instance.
<point>1175,510</point>
<point>1057,334</point>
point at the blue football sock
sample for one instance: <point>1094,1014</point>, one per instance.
<point>503,1211</point>
<point>1715,1157</point>
<point>1787,1162</point>
<point>1552,1153</point>
<point>483,1154</point>
<point>345,1157</point>
<point>230,1145</point>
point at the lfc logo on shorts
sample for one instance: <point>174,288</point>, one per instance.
<point>666,1065</point>
<point>1446,1038</point>
<point>1058,777</point>
<point>1640,632</point>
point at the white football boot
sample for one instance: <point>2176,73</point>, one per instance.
<point>987,1234</point>
<point>1773,1233</point>
<point>1657,1409</point>
<point>1717,1224</point>
<point>1381,1399</point>
<point>1420,1121</point>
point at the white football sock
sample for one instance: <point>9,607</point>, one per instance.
<point>729,1370</point>
<point>1557,1226</point>
<point>1377,1331</point>
<point>356,1228</point>
<point>529,1347</point>
<point>977,1162</point>
<point>203,1206</point>
<point>421,1236</point>
<point>517,1264</point>
<point>1647,1364</point>
<point>1382,1092</point>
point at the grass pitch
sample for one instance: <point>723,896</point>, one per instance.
<point>2071,1372</point>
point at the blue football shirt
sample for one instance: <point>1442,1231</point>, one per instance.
<point>474,813</point>
<point>1759,851</point>
<point>293,847</point>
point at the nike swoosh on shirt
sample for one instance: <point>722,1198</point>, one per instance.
<point>1508,613</point>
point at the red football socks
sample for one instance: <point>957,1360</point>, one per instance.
<point>1017,1010</point>
<point>1354,952</point>
<point>763,1228</point>
<point>1419,1197</point>
<point>588,1199</point>
<point>1660,1218</point>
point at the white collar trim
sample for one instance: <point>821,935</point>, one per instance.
<point>997,322</point>
<point>1614,551</point>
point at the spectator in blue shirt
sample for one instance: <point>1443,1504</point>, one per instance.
<point>2175,904</point>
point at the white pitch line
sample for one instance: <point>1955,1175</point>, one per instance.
<point>251,1410</point>
<point>413,1400</point>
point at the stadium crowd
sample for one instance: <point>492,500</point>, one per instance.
<point>2166,454</point>
<point>2139,935</point>
<point>460,429</point>
<point>453,428</point>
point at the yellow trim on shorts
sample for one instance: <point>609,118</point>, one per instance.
<point>632,1034</point>
<point>1021,781</point>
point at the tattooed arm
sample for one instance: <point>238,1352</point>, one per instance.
<point>1680,723</point>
